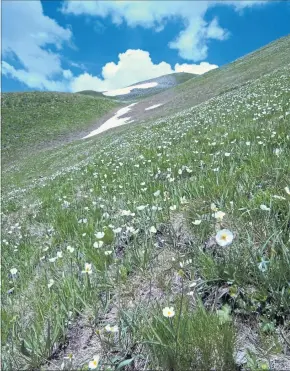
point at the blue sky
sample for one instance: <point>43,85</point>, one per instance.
<point>105,45</point>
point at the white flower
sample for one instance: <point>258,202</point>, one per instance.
<point>99,235</point>
<point>227,154</point>
<point>59,254</point>
<point>213,207</point>
<point>94,363</point>
<point>157,193</point>
<point>263,265</point>
<point>13,271</point>
<point>50,283</point>
<point>98,244</point>
<point>168,312</point>
<point>277,151</point>
<point>126,213</point>
<point>109,252</point>
<point>141,207</point>
<point>219,215</point>
<point>173,207</point>
<point>248,143</point>
<point>183,200</point>
<point>65,204</point>
<point>224,237</point>
<point>110,328</point>
<point>279,197</point>
<point>196,222</point>
<point>88,268</point>
<point>264,208</point>
<point>287,190</point>
<point>117,230</point>
<point>83,220</point>
<point>52,260</point>
<point>70,249</point>
<point>152,229</point>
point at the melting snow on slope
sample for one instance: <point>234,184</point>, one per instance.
<point>128,89</point>
<point>152,107</point>
<point>113,121</point>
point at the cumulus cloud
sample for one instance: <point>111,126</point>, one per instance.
<point>133,66</point>
<point>197,69</point>
<point>191,43</point>
<point>31,53</point>
<point>30,45</point>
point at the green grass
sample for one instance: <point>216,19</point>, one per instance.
<point>143,186</point>
<point>227,78</point>
<point>35,121</point>
<point>182,77</point>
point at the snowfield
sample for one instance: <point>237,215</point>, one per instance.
<point>127,90</point>
<point>113,121</point>
<point>152,107</point>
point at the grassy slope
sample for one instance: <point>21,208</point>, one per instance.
<point>226,78</point>
<point>182,77</point>
<point>232,150</point>
<point>35,121</point>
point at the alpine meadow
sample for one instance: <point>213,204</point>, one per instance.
<point>162,243</point>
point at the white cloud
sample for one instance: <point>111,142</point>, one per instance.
<point>33,79</point>
<point>67,74</point>
<point>31,53</point>
<point>197,69</point>
<point>133,66</point>
<point>30,44</point>
<point>191,42</point>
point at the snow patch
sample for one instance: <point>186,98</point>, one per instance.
<point>113,121</point>
<point>127,90</point>
<point>152,107</point>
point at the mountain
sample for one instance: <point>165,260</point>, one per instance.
<point>145,88</point>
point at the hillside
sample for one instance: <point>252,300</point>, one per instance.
<point>221,80</point>
<point>91,92</point>
<point>36,121</point>
<point>159,245</point>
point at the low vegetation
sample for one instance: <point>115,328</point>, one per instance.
<point>35,121</point>
<point>156,246</point>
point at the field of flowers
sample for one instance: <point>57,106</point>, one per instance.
<point>159,246</point>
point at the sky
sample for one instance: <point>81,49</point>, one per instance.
<point>70,46</point>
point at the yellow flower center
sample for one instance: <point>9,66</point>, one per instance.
<point>224,237</point>
<point>95,363</point>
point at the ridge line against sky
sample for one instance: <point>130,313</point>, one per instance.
<point>106,45</point>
